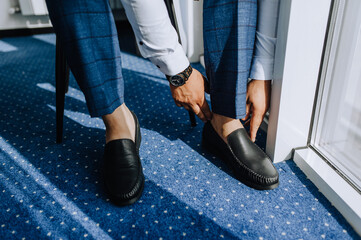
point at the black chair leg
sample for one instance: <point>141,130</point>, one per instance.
<point>61,85</point>
<point>192,118</point>
<point>66,80</point>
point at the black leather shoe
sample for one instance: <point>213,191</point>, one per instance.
<point>249,163</point>
<point>123,173</point>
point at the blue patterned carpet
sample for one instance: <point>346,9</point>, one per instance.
<point>55,191</point>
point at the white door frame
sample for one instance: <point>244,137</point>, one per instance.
<point>300,39</point>
<point>303,25</point>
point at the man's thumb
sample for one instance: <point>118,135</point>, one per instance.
<point>256,121</point>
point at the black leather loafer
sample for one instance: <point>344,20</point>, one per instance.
<point>123,173</point>
<point>249,163</point>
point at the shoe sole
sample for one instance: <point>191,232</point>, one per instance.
<point>206,145</point>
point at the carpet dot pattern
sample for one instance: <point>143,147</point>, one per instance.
<point>54,191</point>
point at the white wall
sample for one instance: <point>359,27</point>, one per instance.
<point>190,22</point>
<point>300,39</point>
<point>17,20</point>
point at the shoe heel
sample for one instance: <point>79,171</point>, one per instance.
<point>207,146</point>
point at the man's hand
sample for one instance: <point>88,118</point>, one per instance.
<point>191,96</point>
<point>258,101</point>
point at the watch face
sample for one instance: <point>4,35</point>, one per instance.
<point>176,80</point>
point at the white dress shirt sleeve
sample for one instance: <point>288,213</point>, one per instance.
<point>156,37</point>
<point>158,41</point>
<point>263,59</point>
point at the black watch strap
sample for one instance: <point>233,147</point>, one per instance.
<point>180,78</point>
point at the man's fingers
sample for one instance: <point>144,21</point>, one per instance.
<point>256,121</point>
<point>246,123</point>
<point>196,109</point>
<point>206,111</point>
<point>248,112</point>
<point>179,104</point>
<point>186,107</point>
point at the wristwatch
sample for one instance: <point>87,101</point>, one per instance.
<point>181,78</point>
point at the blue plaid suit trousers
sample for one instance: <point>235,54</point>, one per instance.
<point>229,29</point>
<point>87,32</point>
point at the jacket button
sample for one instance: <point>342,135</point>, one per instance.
<point>141,43</point>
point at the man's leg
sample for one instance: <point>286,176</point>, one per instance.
<point>229,35</point>
<point>87,32</point>
<point>89,37</point>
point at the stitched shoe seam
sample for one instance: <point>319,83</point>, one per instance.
<point>136,187</point>
<point>246,169</point>
<point>267,179</point>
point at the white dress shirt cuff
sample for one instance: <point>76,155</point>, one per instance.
<point>262,69</point>
<point>263,59</point>
<point>172,63</point>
